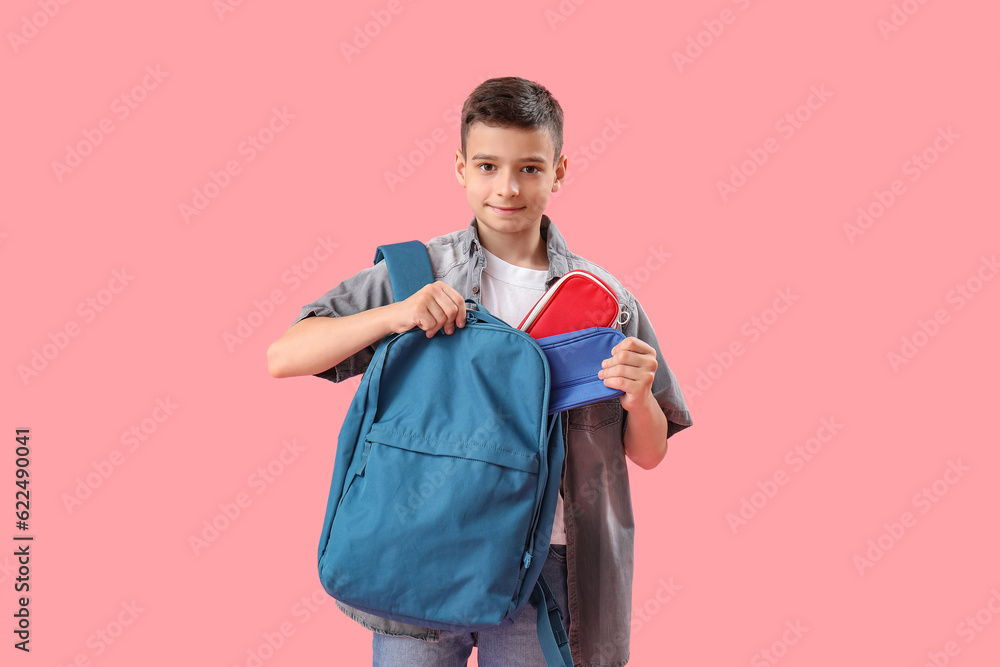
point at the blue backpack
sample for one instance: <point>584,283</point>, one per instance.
<point>446,476</point>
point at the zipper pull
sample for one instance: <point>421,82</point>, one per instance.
<point>364,458</point>
<point>527,559</point>
<point>470,317</point>
<point>622,313</point>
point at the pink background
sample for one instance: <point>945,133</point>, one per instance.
<point>647,189</point>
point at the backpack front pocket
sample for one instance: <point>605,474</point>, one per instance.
<point>359,472</point>
<point>430,527</point>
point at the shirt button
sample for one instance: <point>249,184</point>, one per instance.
<point>475,289</point>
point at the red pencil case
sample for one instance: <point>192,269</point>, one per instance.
<point>578,300</point>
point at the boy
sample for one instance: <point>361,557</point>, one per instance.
<point>509,164</point>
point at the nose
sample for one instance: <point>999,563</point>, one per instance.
<point>506,185</point>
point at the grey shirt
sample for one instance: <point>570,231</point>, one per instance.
<point>597,502</point>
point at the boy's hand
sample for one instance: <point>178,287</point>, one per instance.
<point>631,368</point>
<point>432,308</point>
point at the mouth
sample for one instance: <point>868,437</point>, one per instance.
<point>502,209</point>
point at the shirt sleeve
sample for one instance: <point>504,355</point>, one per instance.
<point>367,289</point>
<point>666,389</point>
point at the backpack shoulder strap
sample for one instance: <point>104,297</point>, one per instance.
<point>409,267</point>
<point>551,632</point>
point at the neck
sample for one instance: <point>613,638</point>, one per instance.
<point>526,248</point>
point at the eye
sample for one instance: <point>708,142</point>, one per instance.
<point>536,170</point>
<point>484,165</point>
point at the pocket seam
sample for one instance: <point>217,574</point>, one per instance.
<point>582,426</point>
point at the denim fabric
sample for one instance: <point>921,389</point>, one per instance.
<point>597,503</point>
<point>515,645</point>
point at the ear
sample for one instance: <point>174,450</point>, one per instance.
<point>460,167</point>
<point>560,173</point>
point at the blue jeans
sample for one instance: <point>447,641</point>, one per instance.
<point>514,645</point>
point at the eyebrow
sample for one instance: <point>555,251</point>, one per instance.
<point>494,158</point>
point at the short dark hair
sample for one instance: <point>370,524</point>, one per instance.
<point>511,101</point>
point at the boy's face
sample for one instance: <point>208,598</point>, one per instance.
<point>509,176</point>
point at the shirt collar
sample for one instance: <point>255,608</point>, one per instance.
<point>555,246</point>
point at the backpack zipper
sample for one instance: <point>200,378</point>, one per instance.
<point>359,473</point>
<point>538,503</point>
<point>470,318</point>
<point>364,458</point>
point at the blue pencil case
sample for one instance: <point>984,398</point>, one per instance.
<point>575,358</point>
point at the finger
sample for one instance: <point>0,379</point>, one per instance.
<point>625,384</point>
<point>433,317</point>
<point>629,358</point>
<point>449,311</point>
<point>627,372</point>
<point>633,344</point>
<point>639,360</point>
<point>459,301</point>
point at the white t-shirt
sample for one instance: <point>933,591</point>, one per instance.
<point>509,292</point>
